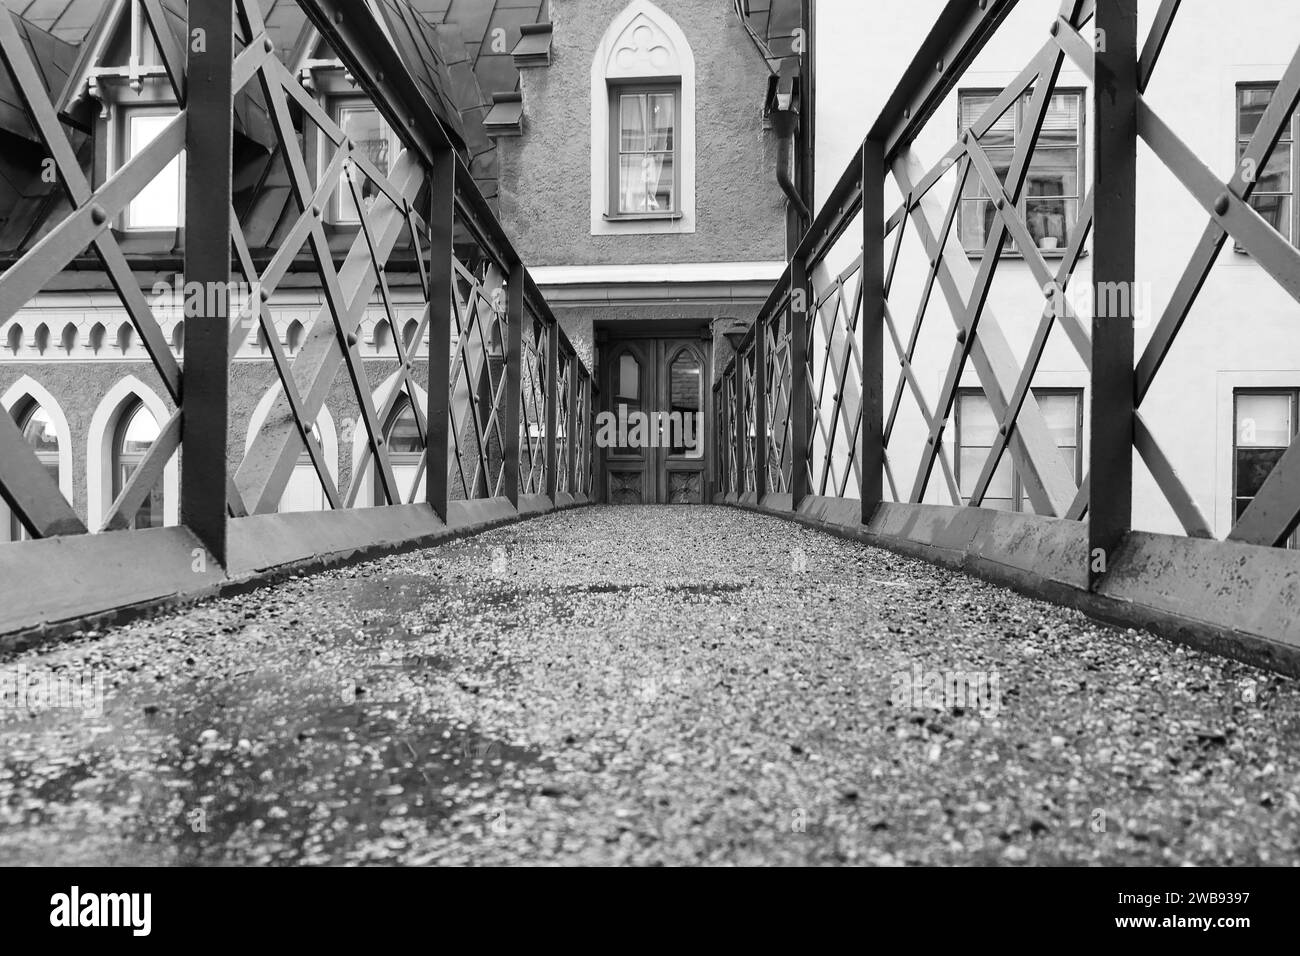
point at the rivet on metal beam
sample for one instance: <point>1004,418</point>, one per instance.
<point>1002,202</point>
<point>1222,205</point>
<point>338,16</point>
<point>961,336</point>
<point>965,136</point>
<point>1003,429</point>
<point>315,211</point>
<point>268,45</point>
<point>352,339</point>
<point>1055,28</point>
<point>939,66</point>
<point>264,294</point>
<point>97,215</point>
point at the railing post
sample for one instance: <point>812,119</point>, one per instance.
<point>552,408</point>
<point>571,429</point>
<point>872,432</point>
<point>442,210</point>
<point>514,375</point>
<point>1110,491</point>
<point>800,406</point>
<point>209,147</point>
<point>738,407</point>
<point>760,409</point>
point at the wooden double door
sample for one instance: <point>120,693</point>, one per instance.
<point>651,435</point>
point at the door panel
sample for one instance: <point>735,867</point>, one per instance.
<point>653,445</point>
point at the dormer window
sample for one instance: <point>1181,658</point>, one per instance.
<point>159,205</point>
<point>371,136</point>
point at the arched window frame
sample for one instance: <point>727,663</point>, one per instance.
<point>622,61</point>
<point>20,400</point>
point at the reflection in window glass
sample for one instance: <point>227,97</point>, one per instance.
<point>687,398</point>
<point>1264,427</point>
<point>158,205</point>
<point>370,136</point>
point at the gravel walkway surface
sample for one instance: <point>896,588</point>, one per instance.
<point>646,685</point>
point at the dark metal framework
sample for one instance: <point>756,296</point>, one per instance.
<point>828,431</point>
<point>484,409</point>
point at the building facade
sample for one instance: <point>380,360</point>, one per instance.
<point>627,147</point>
<point>1224,405</point>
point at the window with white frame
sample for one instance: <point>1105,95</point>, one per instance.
<point>161,204</point>
<point>1049,201</point>
<point>1263,428</point>
<point>372,137</point>
<point>643,154</point>
<point>977,430</point>
<point>642,126</point>
<point>1274,193</point>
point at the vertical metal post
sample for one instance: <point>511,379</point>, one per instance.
<point>872,432</point>
<point>572,437</point>
<point>760,409</point>
<point>1110,494</point>
<point>209,167</point>
<point>738,407</point>
<point>800,406</point>
<point>552,408</point>
<point>514,377</point>
<point>442,211</point>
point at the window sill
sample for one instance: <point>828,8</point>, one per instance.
<point>641,216</point>
<point>1058,253</point>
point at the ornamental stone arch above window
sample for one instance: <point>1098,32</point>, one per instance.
<point>643,48</point>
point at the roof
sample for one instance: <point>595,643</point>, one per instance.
<point>457,50</point>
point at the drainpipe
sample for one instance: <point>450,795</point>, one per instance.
<point>786,123</point>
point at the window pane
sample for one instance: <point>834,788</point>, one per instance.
<point>1000,160</point>
<point>976,223</point>
<point>1276,211</point>
<point>1250,110</point>
<point>629,378</point>
<point>1062,415</point>
<point>687,398</point>
<point>632,126</point>
<point>404,433</point>
<point>1050,221</point>
<point>1053,172</point>
<point>372,138</point>
<point>646,183</point>
<point>971,464</point>
<point>1061,124</point>
<point>1003,130</point>
<point>662,117</point>
<point>140,433</point>
<point>1253,467</point>
<point>1264,421</point>
<point>157,206</point>
<point>977,424</point>
<point>40,434</point>
<point>1275,175</point>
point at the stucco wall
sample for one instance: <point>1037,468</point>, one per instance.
<point>546,177</point>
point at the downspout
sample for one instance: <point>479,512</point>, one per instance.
<point>786,123</point>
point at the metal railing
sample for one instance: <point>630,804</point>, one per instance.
<point>495,424</point>
<point>818,351</point>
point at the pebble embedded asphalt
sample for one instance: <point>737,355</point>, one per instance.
<point>646,686</point>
